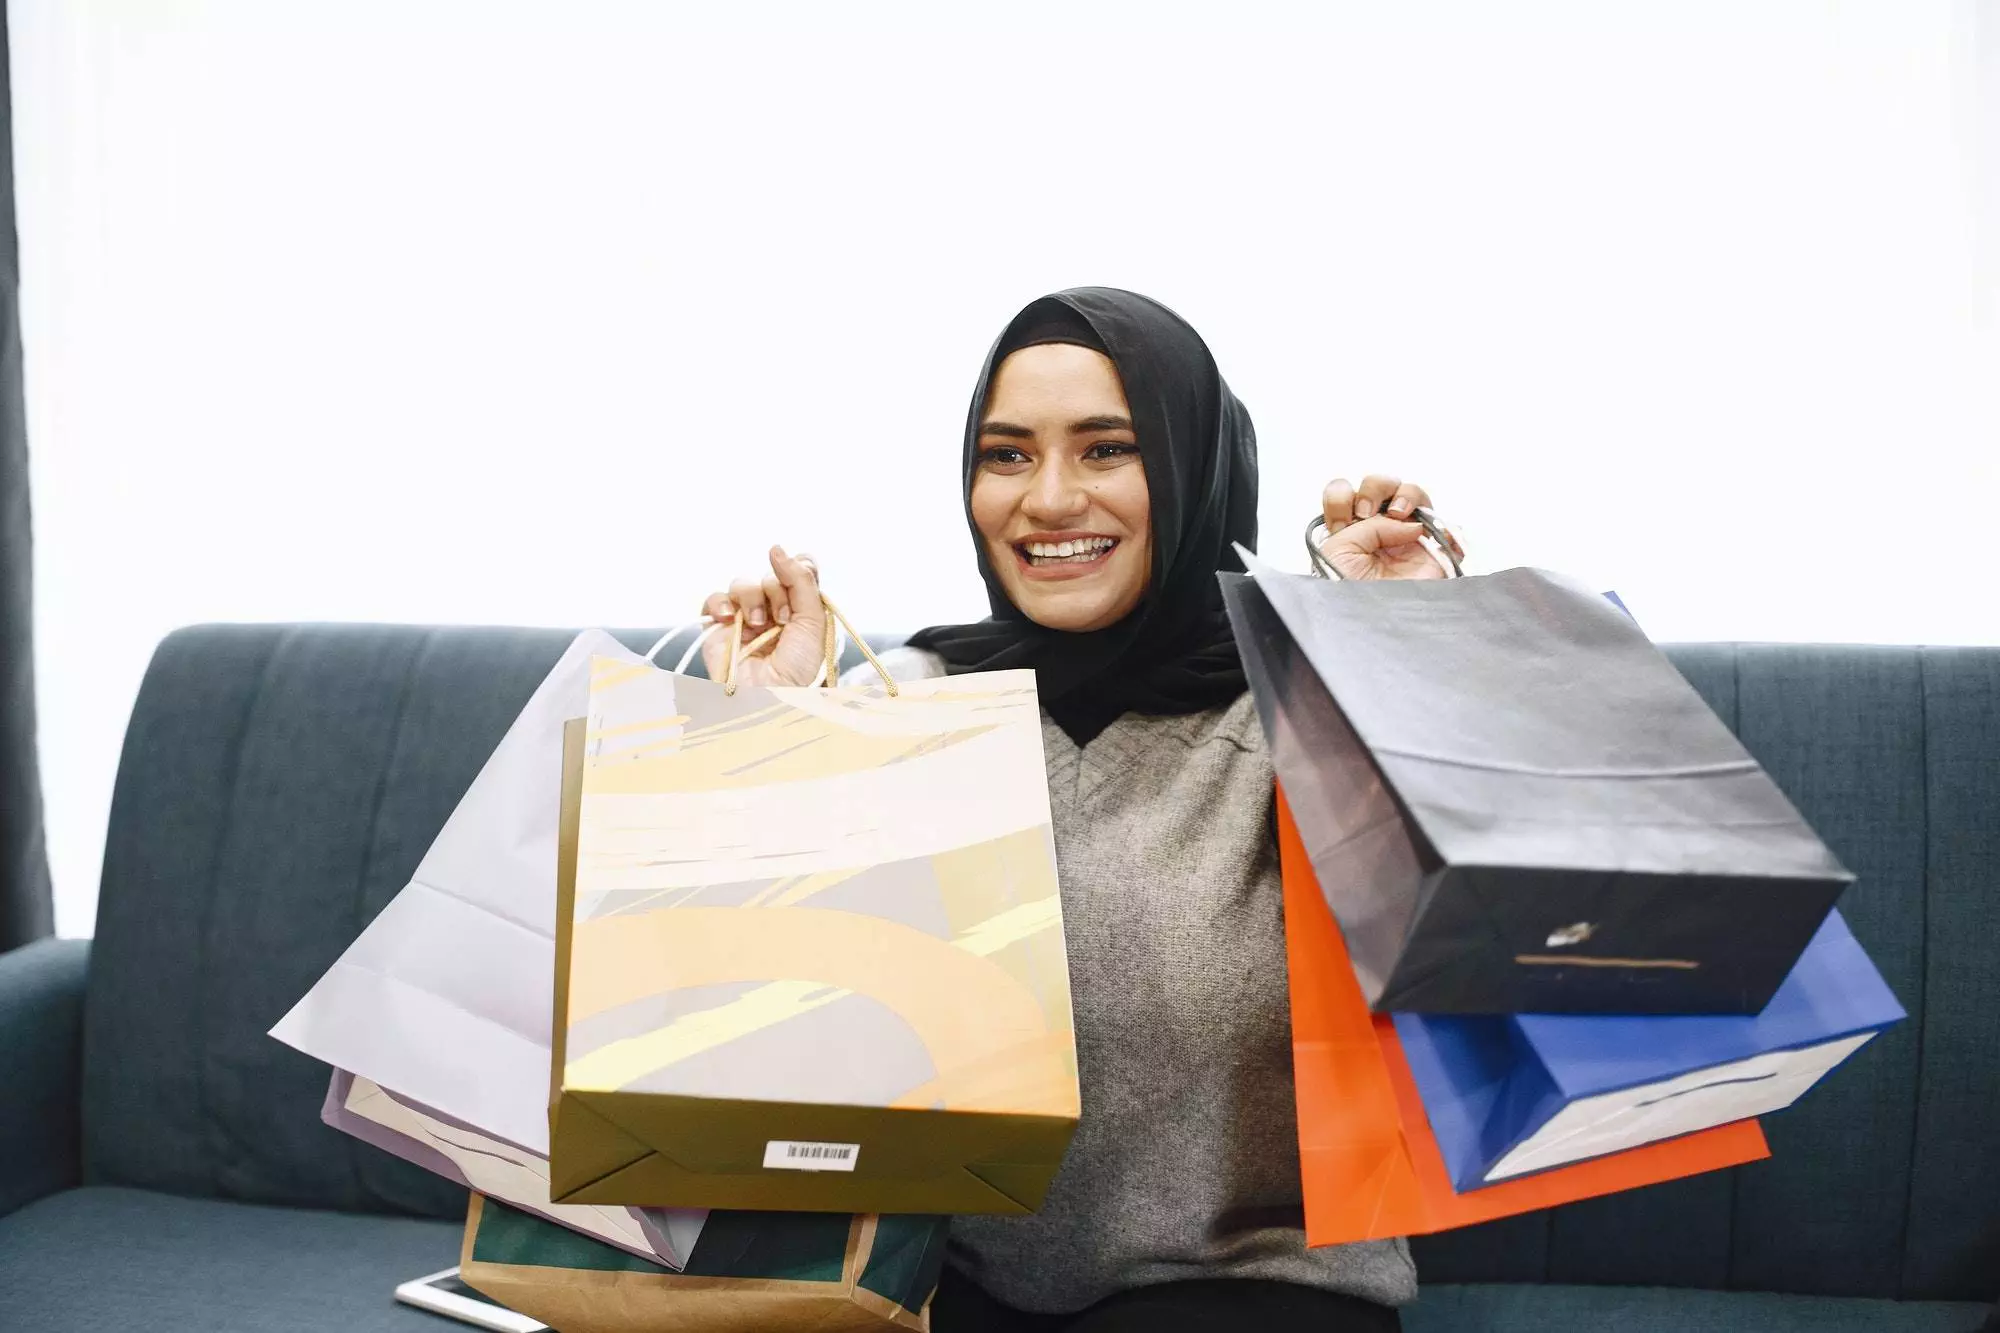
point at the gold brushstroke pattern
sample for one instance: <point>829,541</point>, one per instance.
<point>1011,927</point>
<point>650,901</point>
<point>1017,1060</point>
<point>608,673</point>
<point>623,1062</point>
<point>808,885</point>
<point>772,751</point>
<point>989,1002</point>
<point>634,728</point>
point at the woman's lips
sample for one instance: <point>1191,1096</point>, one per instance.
<point>1057,570</point>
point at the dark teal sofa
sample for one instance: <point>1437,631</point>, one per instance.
<point>163,1165</point>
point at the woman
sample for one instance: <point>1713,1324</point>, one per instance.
<point>1108,470</point>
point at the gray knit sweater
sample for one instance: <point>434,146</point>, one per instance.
<point>1186,1161</point>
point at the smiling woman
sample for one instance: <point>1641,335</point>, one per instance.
<point>1109,471</point>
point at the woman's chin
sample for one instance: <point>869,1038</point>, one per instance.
<point>1070,612</point>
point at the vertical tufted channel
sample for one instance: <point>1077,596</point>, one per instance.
<point>1952,1246</point>
<point>1841,730</point>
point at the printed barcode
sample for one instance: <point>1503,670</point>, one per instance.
<point>797,1155</point>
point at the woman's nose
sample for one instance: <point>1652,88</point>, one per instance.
<point>1054,495</point>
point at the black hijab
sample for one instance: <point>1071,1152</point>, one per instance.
<point>1174,653</point>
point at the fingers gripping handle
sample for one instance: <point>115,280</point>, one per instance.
<point>829,673</point>
<point>738,650</point>
<point>1323,568</point>
<point>708,627</point>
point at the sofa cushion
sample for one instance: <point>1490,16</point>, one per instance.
<point>41,1020</point>
<point>101,1258</point>
<point>1556,1309</point>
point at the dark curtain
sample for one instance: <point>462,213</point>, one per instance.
<point>26,911</point>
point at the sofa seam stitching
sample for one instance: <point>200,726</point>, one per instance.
<point>1735,1173</point>
<point>208,905</point>
<point>1923,968</point>
<point>369,847</point>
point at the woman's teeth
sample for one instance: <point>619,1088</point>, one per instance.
<point>1071,553</point>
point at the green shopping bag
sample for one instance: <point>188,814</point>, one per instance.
<point>751,1272</point>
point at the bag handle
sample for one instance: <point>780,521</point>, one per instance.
<point>1323,568</point>
<point>831,670</point>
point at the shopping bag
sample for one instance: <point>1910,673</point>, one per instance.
<point>1516,804</point>
<point>1509,1095</point>
<point>503,1171</point>
<point>1369,1163</point>
<point>445,997</point>
<point>750,1273</point>
<point>811,953</point>
<point>442,1004</point>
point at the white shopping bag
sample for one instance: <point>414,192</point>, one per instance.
<point>446,997</point>
<point>499,1170</point>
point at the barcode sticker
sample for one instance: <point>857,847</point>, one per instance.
<point>792,1155</point>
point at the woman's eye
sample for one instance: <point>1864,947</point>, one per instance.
<point>1110,449</point>
<point>1001,455</point>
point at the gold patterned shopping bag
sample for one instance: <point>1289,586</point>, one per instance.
<point>810,949</point>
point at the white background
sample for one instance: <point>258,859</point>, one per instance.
<point>558,313</point>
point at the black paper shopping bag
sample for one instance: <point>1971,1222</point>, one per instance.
<point>1515,803</point>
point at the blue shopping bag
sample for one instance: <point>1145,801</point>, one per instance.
<point>1508,1095</point>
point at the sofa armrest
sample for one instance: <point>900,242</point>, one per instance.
<point>41,1031</point>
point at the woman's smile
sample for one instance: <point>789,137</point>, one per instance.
<point>1064,555</point>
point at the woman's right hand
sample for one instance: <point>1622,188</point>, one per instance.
<point>788,599</point>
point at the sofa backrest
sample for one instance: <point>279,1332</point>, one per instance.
<point>1884,1180</point>
<point>280,783</point>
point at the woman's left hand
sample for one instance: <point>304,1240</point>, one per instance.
<point>1370,534</point>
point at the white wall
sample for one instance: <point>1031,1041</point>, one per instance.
<point>557,313</point>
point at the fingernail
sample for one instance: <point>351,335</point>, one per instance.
<point>756,617</point>
<point>726,608</point>
<point>784,615</point>
<point>1399,506</point>
<point>1364,508</point>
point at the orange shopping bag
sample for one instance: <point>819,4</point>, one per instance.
<point>1370,1167</point>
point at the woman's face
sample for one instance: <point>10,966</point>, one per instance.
<point>1058,491</point>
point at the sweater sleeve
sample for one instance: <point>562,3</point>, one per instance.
<point>901,664</point>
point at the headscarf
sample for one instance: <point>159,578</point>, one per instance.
<point>1174,653</point>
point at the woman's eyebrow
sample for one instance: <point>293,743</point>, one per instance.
<point>1083,427</point>
<point>1099,423</point>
